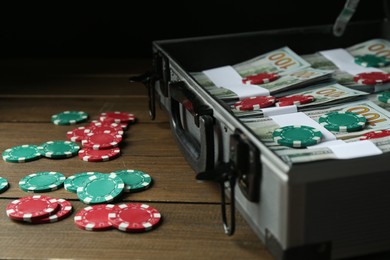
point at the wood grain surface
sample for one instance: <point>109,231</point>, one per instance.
<point>31,91</point>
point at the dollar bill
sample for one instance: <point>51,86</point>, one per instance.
<point>281,61</point>
<point>380,47</point>
<point>324,94</point>
<point>300,78</point>
<point>292,156</point>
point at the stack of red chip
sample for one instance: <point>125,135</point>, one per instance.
<point>131,217</point>
<point>39,209</point>
<point>101,138</point>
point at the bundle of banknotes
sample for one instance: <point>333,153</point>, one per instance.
<point>351,80</point>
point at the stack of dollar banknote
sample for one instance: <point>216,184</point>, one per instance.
<point>331,78</point>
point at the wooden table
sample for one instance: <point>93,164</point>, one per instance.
<point>31,91</point>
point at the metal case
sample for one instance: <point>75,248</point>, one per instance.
<point>321,210</point>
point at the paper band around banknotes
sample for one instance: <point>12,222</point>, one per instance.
<point>227,77</point>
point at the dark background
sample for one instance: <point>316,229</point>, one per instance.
<point>119,30</point>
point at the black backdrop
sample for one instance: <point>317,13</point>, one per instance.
<point>117,30</point>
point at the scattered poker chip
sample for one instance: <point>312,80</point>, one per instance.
<point>105,123</point>
<point>117,117</point>
<point>294,100</point>
<point>99,141</point>
<point>375,134</point>
<point>134,217</point>
<point>254,103</point>
<point>4,185</point>
<point>260,78</point>
<point>101,188</point>
<point>297,136</point>
<point>384,97</point>
<point>77,134</point>
<point>22,153</point>
<point>72,183</point>
<point>65,209</point>
<point>370,60</point>
<point>91,155</point>
<point>59,149</point>
<point>31,208</point>
<point>111,122</point>
<point>42,181</point>
<point>372,78</point>
<point>95,217</point>
<point>343,121</point>
<point>106,129</point>
<point>69,117</point>
<point>134,180</point>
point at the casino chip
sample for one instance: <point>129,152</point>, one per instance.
<point>72,183</point>
<point>372,78</point>
<point>4,185</point>
<point>65,209</point>
<point>375,134</point>
<point>22,153</point>
<point>42,181</point>
<point>77,134</point>
<point>134,217</point>
<point>297,136</point>
<point>384,97</point>
<point>294,100</point>
<point>95,217</point>
<point>59,149</point>
<point>370,60</point>
<point>106,129</point>
<point>31,208</point>
<point>117,117</point>
<point>260,78</point>
<point>101,188</point>
<point>343,121</point>
<point>134,180</point>
<point>90,155</point>
<point>69,117</point>
<point>254,103</point>
<point>98,141</point>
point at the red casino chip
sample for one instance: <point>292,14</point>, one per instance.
<point>117,117</point>
<point>255,103</point>
<point>64,211</point>
<point>31,208</point>
<point>107,129</point>
<point>98,141</point>
<point>134,217</point>
<point>77,134</point>
<point>372,78</point>
<point>260,78</point>
<point>95,218</point>
<point>109,120</point>
<point>294,100</point>
<point>375,134</point>
<point>91,155</point>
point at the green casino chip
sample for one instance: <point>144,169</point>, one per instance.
<point>343,121</point>
<point>297,136</point>
<point>22,153</point>
<point>78,180</point>
<point>134,180</point>
<point>69,117</point>
<point>384,97</point>
<point>59,149</point>
<point>3,184</point>
<point>370,60</point>
<point>101,189</point>
<point>42,181</point>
